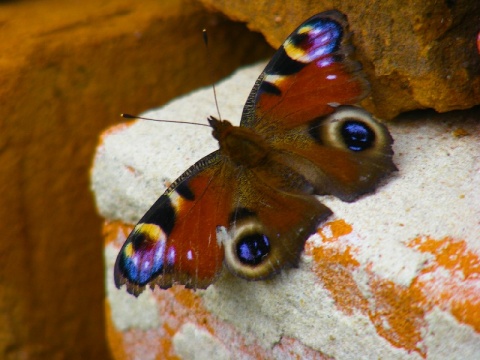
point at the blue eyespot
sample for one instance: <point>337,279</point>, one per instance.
<point>252,249</point>
<point>357,135</point>
<point>142,258</point>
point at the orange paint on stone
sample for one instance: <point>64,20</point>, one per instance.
<point>288,346</point>
<point>179,306</point>
<point>202,318</point>
<point>338,228</point>
<point>450,254</point>
<point>114,337</point>
<point>398,315</point>
<point>185,306</point>
<point>335,268</point>
<point>459,291</point>
<point>111,231</point>
<point>450,281</point>
<point>398,312</point>
<point>393,315</point>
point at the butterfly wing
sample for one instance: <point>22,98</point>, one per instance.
<point>268,227</point>
<point>309,75</point>
<point>216,209</point>
<point>299,104</point>
<point>175,241</point>
<point>258,217</point>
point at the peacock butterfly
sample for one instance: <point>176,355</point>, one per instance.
<point>251,204</point>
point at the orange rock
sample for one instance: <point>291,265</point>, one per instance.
<point>420,55</point>
<point>67,70</point>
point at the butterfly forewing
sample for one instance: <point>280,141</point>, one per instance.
<point>310,74</point>
<point>175,241</point>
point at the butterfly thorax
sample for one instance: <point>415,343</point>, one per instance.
<point>241,145</point>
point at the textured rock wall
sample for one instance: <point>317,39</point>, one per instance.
<point>417,54</point>
<point>67,69</point>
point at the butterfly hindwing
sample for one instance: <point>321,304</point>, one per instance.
<point>346,153</point>
<point>268,227</point>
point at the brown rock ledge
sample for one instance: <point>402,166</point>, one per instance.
<point>417,55</point>
<point>67,70</point>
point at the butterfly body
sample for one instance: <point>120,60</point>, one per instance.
<point>250,205</point>
<point>241,145</point>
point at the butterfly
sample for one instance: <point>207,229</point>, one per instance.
<point>251,204</point>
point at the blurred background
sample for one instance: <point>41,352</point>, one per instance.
<point>68,69</point>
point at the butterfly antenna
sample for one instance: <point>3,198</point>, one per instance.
<point>205,40</point>
<point>128,116</point>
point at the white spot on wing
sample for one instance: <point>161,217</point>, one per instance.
<point>171,254</point>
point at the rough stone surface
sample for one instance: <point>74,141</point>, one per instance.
<point>394,275</point>
<point>417,55</point>
<point>67,69</point>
